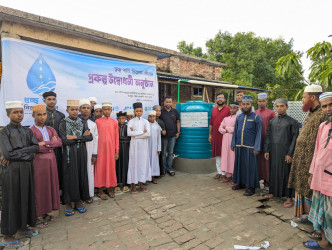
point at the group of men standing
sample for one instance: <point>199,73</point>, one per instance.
<point>293,163</point>
<point>66,159</point>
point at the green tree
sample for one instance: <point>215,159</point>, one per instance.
<point>320,69</point>
<point>251,61</point>
<point>189,49</point>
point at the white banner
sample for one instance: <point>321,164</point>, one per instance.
<point>30,69</point>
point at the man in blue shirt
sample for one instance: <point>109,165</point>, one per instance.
<point>246,143</point>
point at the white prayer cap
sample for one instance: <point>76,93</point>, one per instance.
<point>14,105</point>
<point>130,112</point>
<point>325,95</point>
<point>152,112</point>
<point>84,101</point>
<point>313,88</point>
<point>106,104</point>
<point>98,106</point>
<point>262,96</point>
<point>93,99</point>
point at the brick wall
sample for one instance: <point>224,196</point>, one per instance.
<point>178,66</point>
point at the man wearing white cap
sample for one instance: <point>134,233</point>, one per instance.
<point>320,179</point>
<point>91,146</point>
<point>18,146</point>
<point>267,115</point>
<point>98,112</point>
<point>304,150</point>
<point>154,145</point>
<point>130,114</point>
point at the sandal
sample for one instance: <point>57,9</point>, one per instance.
<point>41,224</point>
<point>48,218</point>
<point>126,189</point>
<point>117,190</point>
<point>311,244</point>
<point>154,182</point>
<point>102,196</point>
<point>144,190</point>
<point>90,201</point>
<point>269,196</point>
<point>134,191</point>
<point>318,237</point>
<point>288,204</point>
<point>111,194</point>
<point>14,244</point>
<point>227,179</point>
<point>217,176</point>
<point>303,219</point>
<point>81,209</point>
<point>69,212</point>
<point>29,233</point>
<point>232,184</point>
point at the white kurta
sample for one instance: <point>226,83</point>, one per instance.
<point>139,160</point>
<point>91,148</point>
<point>154,147</point>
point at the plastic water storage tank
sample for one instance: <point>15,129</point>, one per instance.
<point>194,119</point>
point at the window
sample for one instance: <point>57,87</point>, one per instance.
<point>197,92</point>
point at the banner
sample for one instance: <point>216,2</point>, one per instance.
<point>30,69</point>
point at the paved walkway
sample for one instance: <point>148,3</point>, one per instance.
<point>186,211</point>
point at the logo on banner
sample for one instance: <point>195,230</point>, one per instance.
<point>40,77</point>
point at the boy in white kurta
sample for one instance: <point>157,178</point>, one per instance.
<point>154,146</point>
<point>139,160</point>
<point>91,146</point>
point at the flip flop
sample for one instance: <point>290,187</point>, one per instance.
<point>312,245</point>
<point>269,196</point>
<point>126,189</point>
<point>29,233</point>
<point>90,201</point>
<point>111,195</point>
<point>102,196</point>
<point>6,245</point>
<point>134,192</point>
<point>313,237</point>
<point>144,190</point>
<point>288,204</point>
<point>69,212</point>
<point>41,224</point>
<point>81,209</point>
<point>48,218</point>
<point>303,219</point>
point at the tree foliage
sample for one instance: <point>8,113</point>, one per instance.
<point>251,61</point>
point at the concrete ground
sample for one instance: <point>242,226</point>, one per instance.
<point>187,211</point>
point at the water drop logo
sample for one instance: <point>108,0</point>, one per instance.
<point>40,77</point>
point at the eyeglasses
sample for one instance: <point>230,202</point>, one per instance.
<point>220,98</point>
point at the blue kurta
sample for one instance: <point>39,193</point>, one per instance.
<point>246,139</point>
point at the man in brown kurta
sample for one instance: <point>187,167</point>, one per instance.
<point>304,150</point>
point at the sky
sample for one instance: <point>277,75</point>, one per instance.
<point>165,23</point>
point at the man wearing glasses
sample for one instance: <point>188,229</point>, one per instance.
<point>215,137</point>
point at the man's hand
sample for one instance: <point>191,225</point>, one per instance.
<point>288,159</point>
<point>71,137</point>
<point>309,180</point>
<point>233,149</point>
<point>93,160</point>
<point>54,138</point>
<point>177,135</point>
<point>158,152</point>
<point>42,143</point>
<point>86,133</point>
<point>224,127</point>
<point>116,156</point>
<point>4,162</point>
<point>256,152</point>
<point>210,138</point>
<point>131,128</point>
<point>163,132</point>
<point>267,156</point>
<point>226,131</point>
<point>145,131</point>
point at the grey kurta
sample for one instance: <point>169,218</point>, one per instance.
<point>280,141</point>
<point>18,145</point>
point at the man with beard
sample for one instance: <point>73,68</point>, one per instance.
<point>54,117</point>
<point>215,137</point>
<point>246,143</point>
<point>304,150</point>
<point>267,115</point>
<point>171,119</point>
<point>320,179</point>
<point>239,96</point>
